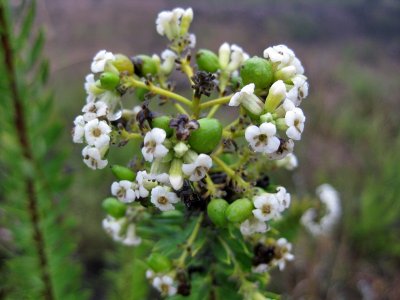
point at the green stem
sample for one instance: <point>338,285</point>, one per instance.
<point>189,243</point>
<point>231,173</point>
<point>217,101</point>
<point>159,91</point>
<point>213,110</point>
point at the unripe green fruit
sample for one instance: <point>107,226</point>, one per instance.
<point>257,70</point>
<point>159,263</point>
<point>216,211</point>
<point>123,64</point>
<point>239,211</point>
<point>140,93</point>
<point>123,173</point>
<point>114,207</point>
<point>163,123</point>
<point>207,137</point>
<point>144,65</point>
<point>207,61</point>
<point>109,81</point>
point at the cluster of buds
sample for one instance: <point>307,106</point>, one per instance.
<point>196,173</point>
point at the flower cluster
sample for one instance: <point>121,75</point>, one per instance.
<point>195,177</point>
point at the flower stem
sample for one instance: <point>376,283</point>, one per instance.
<point>159,91</point>
<point>231,173</point>
<point>217,101</point>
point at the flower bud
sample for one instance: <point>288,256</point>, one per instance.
<point>123,64</point>
<point>190,156</point>
<point>224,55</point>
<point>277,93</point>
<point>114,207</point>
<point>144,65</point>
<point>285,73</point>
<point>258,71</point>
<point>267,118</point>
<point>163,123</point>
<point>216,211</point>
<point>186,21</point>
<point>109,67</point>
<point>239,210</point>
<point>207,137</point>
<point>180,149</point>
<point>109,81</point>
<point>159,263</point>
<point>207,61</point>
<point>123,173</point>
<point>176,174</point>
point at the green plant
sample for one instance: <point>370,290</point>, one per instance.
<point>38,261</point>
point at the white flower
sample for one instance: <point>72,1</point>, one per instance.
<point>282,253</point>
<point>252,226</point>
<point>283,198</point>
<point>231,57</point>
<point>192,40</point>
<point>169,61</point>
<point>248,99</point>
<point>279,54</point>
<point>289,162</point>
<point>165,285</point>
<point>198,169</point>
<point>94,110</point>
<point>262,139</point>
<point>149,274</point>
<point>97,133</point>
<point>330,198</point>
<point>90,87</point>
<point>163,198</point>
<point>123,191</point>
<point>261,268</point>
<point>299,91</point>
<point>131,239</point>
<point>295,119</point>
<point>267,207</point>
<point>100,59</point>
<point>285,148</point>
<point>93,158</point>
<point>168,23</point>
<point>113,227</point>
<point>153,146</point>
<point>78,131</point>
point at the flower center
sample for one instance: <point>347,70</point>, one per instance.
<point>162,200</point>
<point>261,139</point>
<point>121,193</point>
<point>266,209</point>
<point>150,146</point>
<point>96,132</point>
<point>164,288</point>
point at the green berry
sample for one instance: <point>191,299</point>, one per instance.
<point>207,61</point>
<point>163,123</point>
<point>144,65</point>
<point>216,211</point>
<point>114,207</point>
<point>109,81</point>
<point>141,93</point>
<point>257,70</point>
<point>123,64</point>
<point>207,137</point>
<point>239,211</point>
<point>159,263</point>
<point>123,173</point>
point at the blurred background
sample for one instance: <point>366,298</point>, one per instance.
<point>351,53</point>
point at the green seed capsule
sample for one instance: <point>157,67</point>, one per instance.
<point>207,61</point>
<point>114,207</point>
<point>123,64</point>
<point>207,137</point>
<point>159,263</point>
<point>140,93</point>
<point>216,211</point>
<point>144,65</point>
<point>109,81</point>
<point>163,123</point>
<point>239,210</point>
<point>123,173</point>
<point>257,70</point>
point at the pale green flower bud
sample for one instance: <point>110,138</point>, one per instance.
<point>224,53</point>
<point>176,174</point>
<point>180,149</point>
<point>276,94</point>
<point>186,20</point>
